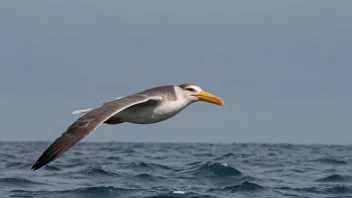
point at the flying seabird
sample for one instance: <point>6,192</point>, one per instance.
<point>146,107</point>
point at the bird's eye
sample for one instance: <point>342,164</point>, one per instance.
<point>190,89</point>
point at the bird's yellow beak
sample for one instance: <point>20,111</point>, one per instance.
<point>208,97</point>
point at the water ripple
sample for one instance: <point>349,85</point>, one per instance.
<point>330,160</point>
<point>339,189</point>
<point>97,171</point>
<point>242,187</point>
<point>13,181</point>
<point>336,178</point>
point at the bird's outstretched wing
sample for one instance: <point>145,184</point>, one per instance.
<point>86,124</point>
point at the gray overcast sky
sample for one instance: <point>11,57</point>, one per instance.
<point>283,68</point>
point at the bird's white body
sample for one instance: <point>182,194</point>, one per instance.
<point>149,115</point>
<point>155,113</point>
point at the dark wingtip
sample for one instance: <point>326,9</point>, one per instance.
<point>35,167</point>
<point>48,156</point>
<point>38,164</point>
<point>56,149</point>
<point>45,158</point>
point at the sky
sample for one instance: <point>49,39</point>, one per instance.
<point>283,68</point>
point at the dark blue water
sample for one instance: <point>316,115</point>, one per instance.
<point>178,170</point>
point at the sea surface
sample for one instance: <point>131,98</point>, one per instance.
<point>156,170</point>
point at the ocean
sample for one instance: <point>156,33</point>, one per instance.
<point>157,170</point>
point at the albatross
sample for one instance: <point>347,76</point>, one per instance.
<point>145,107</point>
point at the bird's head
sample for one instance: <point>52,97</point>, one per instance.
<point>195,93</point>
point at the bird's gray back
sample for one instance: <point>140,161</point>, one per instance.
<point>167,91</point>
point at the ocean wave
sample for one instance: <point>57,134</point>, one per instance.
<point>98,189</point>
<point>330,160</point>
<point>22,193</point>
<point>248,179</point>
<point>231,155</point>
<point>148,177</point>
<point>203,154</point>
<point>97,171</point>
<point>114,158</point>
<point>300,190</point>
<point>145,166</point>
<point>17,181</point>
<point>52,168</point>
<point>94,191</point>
<point>227,155</point>
<point>219,169</point>
<point>156,166</point>
<point>72,165</point>
<point>242,187</point>
<point>179,194</point>
<point>195,163</point>
<point>77,153</point>
<point>4,156</point>
<point>338,189</point>
<point>18,165</point>
<point>335,178</point>
<point>209,170</point>
<point>121,148</point>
